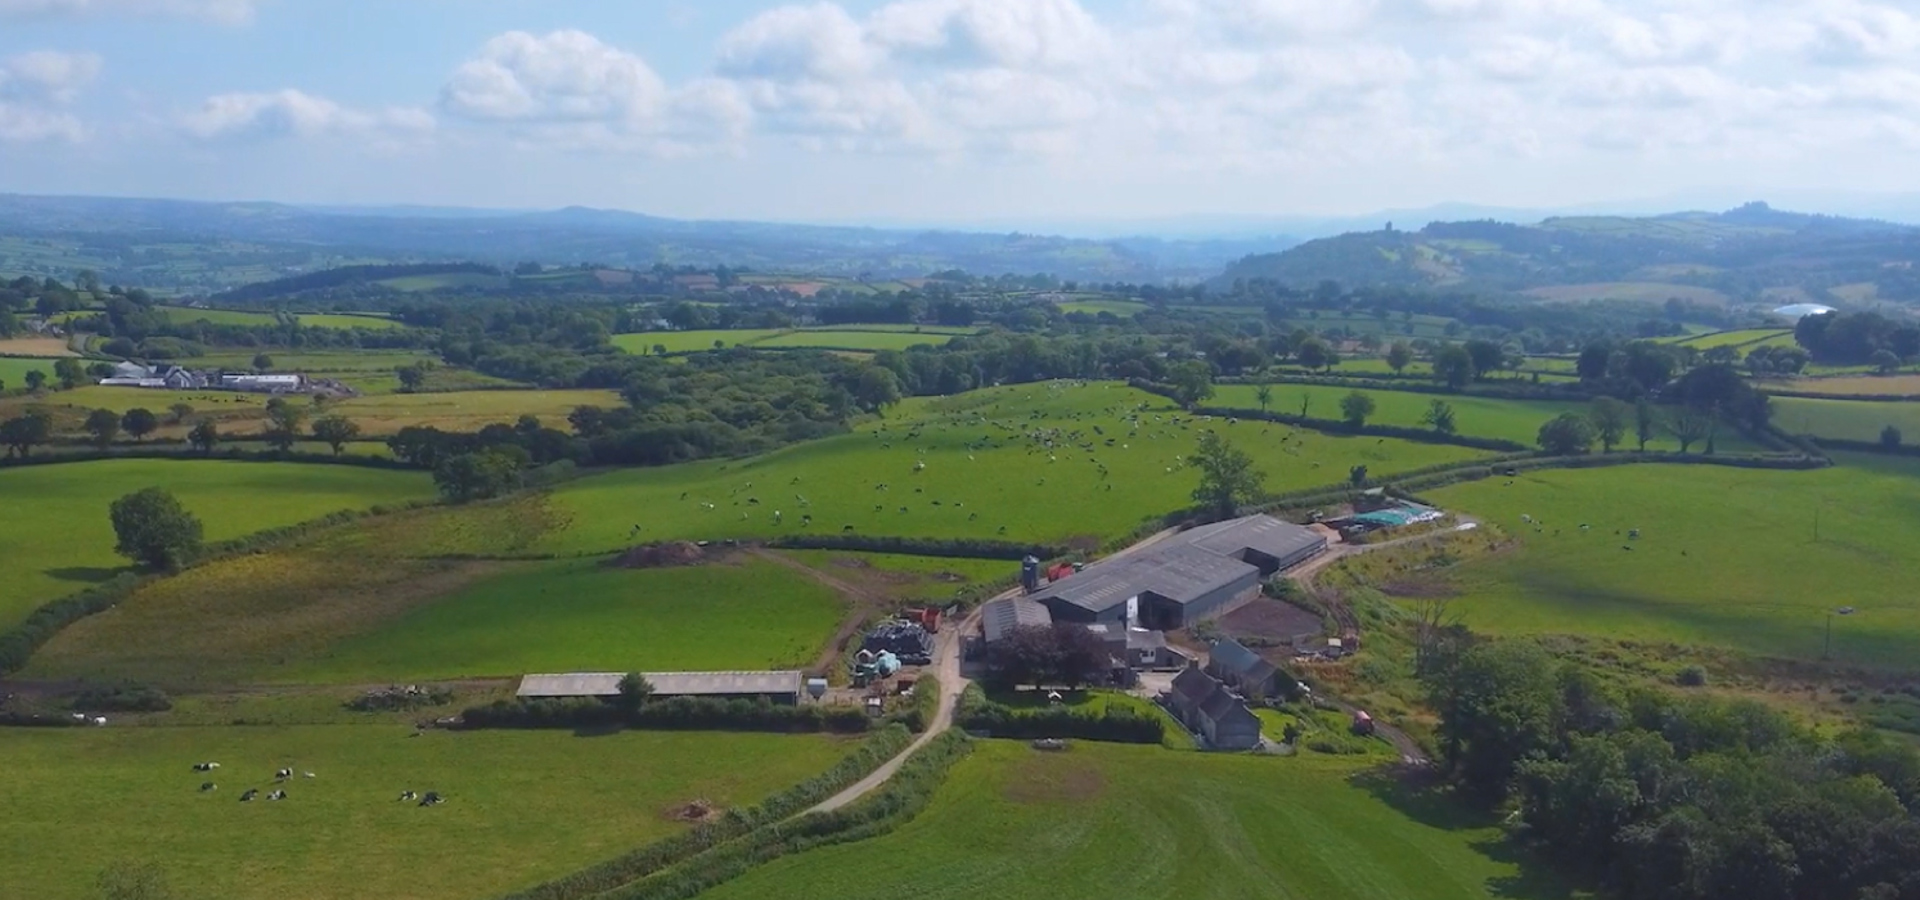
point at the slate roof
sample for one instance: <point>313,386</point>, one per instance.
<point>665,684</point>
<point>1247,667</point>
<point>998,617</point>
<point>1184,567</point>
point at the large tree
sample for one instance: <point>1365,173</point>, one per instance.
<point>1690,424</point>
<point>154,529</point>
<point>335,431</point>
<point>1192,382</point>
<point>1264,396</point>
<point>1315,354</point>
<point>1498,704</point>
<point>24,432</point>
<point>1570,434</point>
<point>1355,408</point>
<point>1453,366</point>
<point>139,422</point>
<point>70,371</point>
<point>1646,422</point>
<point>283,423</point>
<point>1227,476</point>
<point>476,476</point>
<point>1609,417</point>
<point>1439,417</point>
<point>204,436</point>
<point>104,426</point>
<point>1488,357</point>
<point>1399,356</point>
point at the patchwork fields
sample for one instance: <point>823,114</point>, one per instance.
<point>1727,557</point>
<point>1853,420</point>
<point>971,466</point>
<point>1107,820</point>
<point>521,806</point>
<point>57,540</point>
<point>859,338</point>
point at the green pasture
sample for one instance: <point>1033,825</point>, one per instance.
<point>1727,557</point>
<point>581,615</point>
<point>442,281</point>
<point>56,538</point>
<point>13,371</point>
<point>692,341</point>
<point>1852,420</point>
<point>1109,820</point>
<point>324,362</point>
<point>182,315</point>
<point>467,410</point>
<point>953,330</point>
<point>521,806</point>
<point>1746,339</point>
<point>854,340</point>
<point>1122,308</point>
<point>1513,420</point>
<point>1653,291</point>
<point>349,320</point>
<point>905,577</point>
<point>1844,387</point>
<point>1395,326</point>
<point>982,457</point>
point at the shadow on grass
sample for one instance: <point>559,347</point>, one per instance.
<point>88,575</point>
<point>594,731</point>
<point>1421,795</point>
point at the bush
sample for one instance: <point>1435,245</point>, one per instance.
<point>883,745</point>
<point>1691,676</point>
<point>400,699</point>
<point>925,706</point>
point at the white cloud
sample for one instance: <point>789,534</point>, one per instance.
<point>49,75</point>
<point>565,76</point>
<point>821,42</point>
<point>292,113</point>
<point>21,124</point>
<point>223,11</point>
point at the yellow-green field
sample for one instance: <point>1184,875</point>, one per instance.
<point>521,806</point>
<point>852,337</point>
<point>56,539</point>
<point>35,346</point>
<point>183,314</point>
<point>1864,385</point>
<point>1852,420</point>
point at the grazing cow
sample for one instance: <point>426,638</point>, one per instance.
<point>208,786</point>
<point>306,774</point>
<point>431,798</point>
<point>250,794</point>
<point>283,774</point>
<point>407,795</point>
<point>846,528</point>
<point>277,795</point>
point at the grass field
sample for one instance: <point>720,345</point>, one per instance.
<point>854,340</point>
<point>583,616</point>
<point>319,363</point>
<point>1853,420</point>
<point>690,341</point>
<point>35,346</point>
<point>1514,420</point>
<point>184,314</point>
<point>1753,337</point>
<point>1107,820</point>
<point>57,540</point>
<point>1122,308</point>
<point>1394,327</point>
<point>13,371</point>
<point>1903,385</point>
<point>521,806</point>
<point>241,414</point>
<point>983,463</point>
<point>1727,558</point>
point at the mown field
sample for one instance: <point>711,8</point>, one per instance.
<point>1745,340</point>
<point>852,337</point>
<point>329,362</point>
<point>1727,557</point>
<point>56,538</point>
<point>581,615</point>
<point>983,471</point>
<point>1902,385</point>
<point>1106,820</point>
<point>1513,420</point>
<point>855,340</point>
<point>521,807</point>
<point>1853,420</point>
<point>690,341</point>
<point>1122,308</point>
<point>183,314</point>
<point>35,346</point>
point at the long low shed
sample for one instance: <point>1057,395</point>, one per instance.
<point>782,687</point>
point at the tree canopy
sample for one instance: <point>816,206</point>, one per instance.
<point>154,529</point>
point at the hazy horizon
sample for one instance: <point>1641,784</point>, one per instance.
<point>958,111</point>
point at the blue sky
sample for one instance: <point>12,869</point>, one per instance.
<point>958,110</point>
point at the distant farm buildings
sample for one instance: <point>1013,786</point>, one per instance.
<point>137,375</point>
<point>1183,579</point>
<point>778,687</point>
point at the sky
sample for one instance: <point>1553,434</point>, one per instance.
<point>959,110</point>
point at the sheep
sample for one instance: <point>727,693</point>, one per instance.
<point>407,795</point>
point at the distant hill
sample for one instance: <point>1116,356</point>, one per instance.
<point>206,247</point>
<point>1747,254</point>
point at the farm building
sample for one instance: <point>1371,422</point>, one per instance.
<point>1000,617</point>
<point>779,687</point>
<point>263,383</point>
<point>1245,671</point>
<point>1138,648</point>
<point>1208,709</point>
<point>129,374</point>
<point>1184,579</point>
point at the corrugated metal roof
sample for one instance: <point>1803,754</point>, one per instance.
<point>998,617</point>
<point>1233,656</point>
<point>665,684</point>
<point>1184,567</point>
<point>1274,537</point>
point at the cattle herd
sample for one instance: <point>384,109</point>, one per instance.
<point>281,776</point>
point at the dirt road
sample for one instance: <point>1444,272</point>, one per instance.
<point>946,665</point>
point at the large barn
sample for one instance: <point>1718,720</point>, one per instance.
<point>779,687</point>
<point>1183,579</point>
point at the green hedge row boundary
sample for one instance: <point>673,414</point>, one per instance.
<point>670,714</point>
<point>598,879</point>
<point>896,803</point>
<point>179,451</point>
<point>1335,426</point>
<point>17,644</point>
<point>1867,447</point>
<point>1560,390</point>
<point>980,715</point>
<point>950,548</point>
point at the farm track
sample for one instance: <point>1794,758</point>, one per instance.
<point>865,604</point>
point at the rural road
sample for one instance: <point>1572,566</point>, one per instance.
<point>946,665</point>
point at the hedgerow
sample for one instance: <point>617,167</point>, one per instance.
<point>670,714</point>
